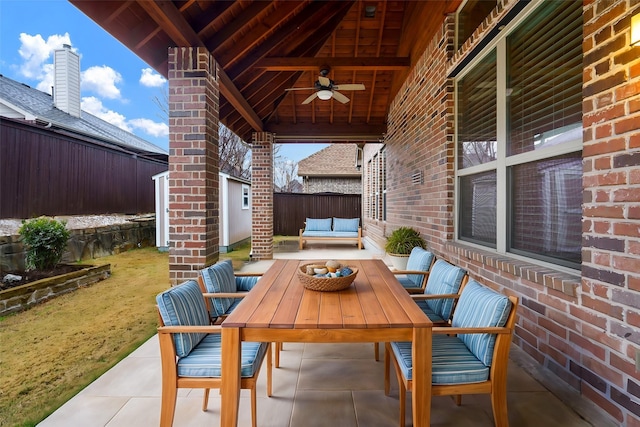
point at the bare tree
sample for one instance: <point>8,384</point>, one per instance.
<point>285,175</point>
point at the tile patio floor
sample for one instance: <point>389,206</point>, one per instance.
<point>318,385</point>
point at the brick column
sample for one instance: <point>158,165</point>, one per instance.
<point>262,195</point>
<point>193,162</point>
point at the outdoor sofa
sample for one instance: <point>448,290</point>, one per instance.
<point>332,229</point>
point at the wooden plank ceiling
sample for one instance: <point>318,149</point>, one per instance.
<point>265,47</point>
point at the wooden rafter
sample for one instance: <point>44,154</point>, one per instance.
<point>167,16</point>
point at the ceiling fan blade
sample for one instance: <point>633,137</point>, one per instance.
<point>324,81</point>
<point>354,86</point>
<point>301,88</point>
<point>311,98</point>
<point>340,97</point>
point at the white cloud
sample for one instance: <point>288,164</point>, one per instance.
<point>35,51</point>
<point>151,79</point>
<point>150,127</point>
<point>102,80</point>
<point>94,106</point>
<point>46,81</point>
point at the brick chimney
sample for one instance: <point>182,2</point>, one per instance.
<point>66,80</point>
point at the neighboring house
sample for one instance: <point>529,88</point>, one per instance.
<point>56,159</point>
<point>234,209</point>
<point>331,170</point>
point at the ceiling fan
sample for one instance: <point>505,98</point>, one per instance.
<point>325,89</point>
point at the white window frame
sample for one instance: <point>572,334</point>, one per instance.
<point>502,162</point>
<point>246,197</point>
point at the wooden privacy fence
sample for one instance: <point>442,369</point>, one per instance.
<point>46,173</point>
<point>290,210</point>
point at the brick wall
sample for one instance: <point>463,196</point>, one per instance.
<point>333,185</point>
<point>585,328</point>
<point>193,162</point>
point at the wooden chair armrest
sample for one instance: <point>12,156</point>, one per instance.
<point>449,330</point>
<point>434,296</point>
<point>409,272</point>
<point>207,329</point>
<point>248,274</point>
<point>225,294</point>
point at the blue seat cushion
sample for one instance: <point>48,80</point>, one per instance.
<point>419,260</point>
<point>205,360</point>
<point>346,224</point>
<point>452,362</point>
<point>183,305</point>
<point>434,317</point>
<point>482,307</point>
<point>219,278</point>
<point>406,282</point>
<point>329,234</point>
<point>246,283</point>
<point>444,278</point>
<point>318,224</point>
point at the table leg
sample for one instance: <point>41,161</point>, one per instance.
<point>421,384</point>
<point>230,389</point>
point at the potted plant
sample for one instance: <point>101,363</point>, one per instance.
<point>400,243</point>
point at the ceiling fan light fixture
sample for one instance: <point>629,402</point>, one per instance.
<point>325,94</point>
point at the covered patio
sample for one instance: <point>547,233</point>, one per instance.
<point>320,385</point>
<point>505,131</point>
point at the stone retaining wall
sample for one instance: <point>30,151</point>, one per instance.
<point>23,297</point>
<point>88,243</point>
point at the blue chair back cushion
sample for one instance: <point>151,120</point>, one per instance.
<point>444,278</point>
<point>480,306</point>
<point>346,224</point>
<point>452,362</point>
<point>219,278</point>
<point>205,360</point>
<point>316,224</point>
<point>419,260</point>
<point>183,305</point>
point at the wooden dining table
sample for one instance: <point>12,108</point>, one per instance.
<point>375,308</point>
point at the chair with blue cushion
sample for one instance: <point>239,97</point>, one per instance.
<point>444,285</point>
<point>444,282</point>
<point>191,350</point>
<point>230,287</point>
<point>471,356</point>
<point>224,289</point>
<point>414,278</point>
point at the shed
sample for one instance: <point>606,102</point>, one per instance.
<point>235,211</point>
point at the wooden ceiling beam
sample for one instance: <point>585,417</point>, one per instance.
<point>171,20</point>
<point>226,33</point>
<point>271,24</point>
<point>308,132</point>
<point>336,63</point>
<point>310,16</point>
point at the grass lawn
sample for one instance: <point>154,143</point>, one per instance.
<point>52,351</point>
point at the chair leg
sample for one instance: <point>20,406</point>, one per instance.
<point>376,347</point>
<point>253,406</point>
<point>168,406</point>
<point>387,363</point>
<point>499,405</point>
<point>205,401</point>
<point>457,399</point>
<point>278,348</point>
<point>402,394</point>
<point>270,369</point>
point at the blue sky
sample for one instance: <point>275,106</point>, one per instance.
<point>117,86</point>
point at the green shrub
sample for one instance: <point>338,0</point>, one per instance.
<point>402,240</point>
<point>45,240</point>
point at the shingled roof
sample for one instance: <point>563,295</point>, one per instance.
<point>20,101</point>
<point>336,160</point>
